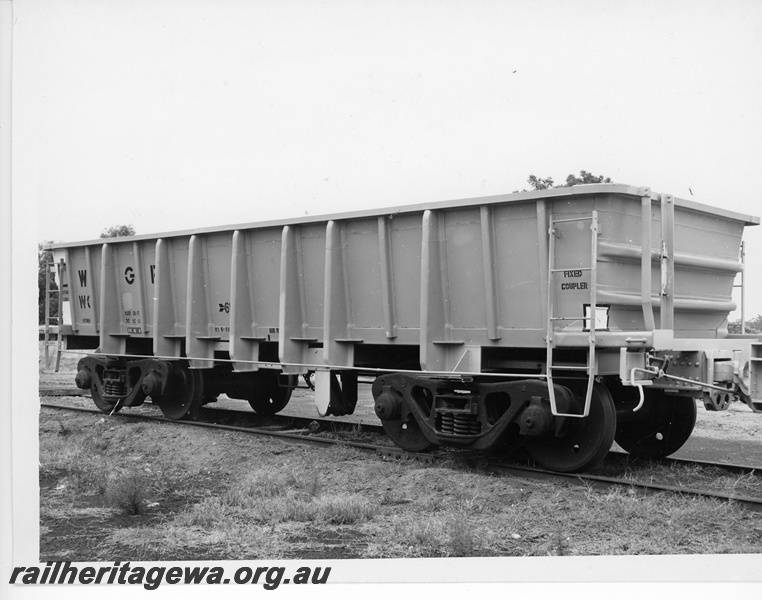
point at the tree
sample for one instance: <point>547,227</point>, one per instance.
<point>544,183</point>
<point>118,231</point>
<point>752,325</point>
<point>539,183</point>
<point>585,177</point>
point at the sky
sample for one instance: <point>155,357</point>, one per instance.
<point>172,115</point>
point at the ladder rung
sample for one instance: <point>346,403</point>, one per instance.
<point>590,218</point>
<point>568,318</point>
<point>562,368</point>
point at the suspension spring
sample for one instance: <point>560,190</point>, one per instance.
<point>459,424</point>
<point>114,387</point>
<point>466,424</point>
<point>447,423</point>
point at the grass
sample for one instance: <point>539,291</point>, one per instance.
<point>272,496</point>
<point>230,496</point>
<point>689,476</point>
<point>130,493</point>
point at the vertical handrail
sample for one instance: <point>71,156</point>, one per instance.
<point>742,258</point>
<point>645,264</point>
<point>59,318</point>
<point>549,336</point>
<point>46,316</point>
<point>667,295</point>
<point>52,267</point>
<point>593,311</point>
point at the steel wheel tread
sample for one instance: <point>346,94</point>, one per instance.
<point>407,435</point>
<point>267,397</point>
<point>585,442</point>
<point>186,395</point>
<point>660,427</point>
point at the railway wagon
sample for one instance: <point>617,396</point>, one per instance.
<point>558,320</point>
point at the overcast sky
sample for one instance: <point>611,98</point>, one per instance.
<point>180,114</point>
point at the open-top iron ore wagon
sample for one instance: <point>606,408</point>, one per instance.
<point>560,320</point>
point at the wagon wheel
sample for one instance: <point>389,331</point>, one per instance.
<point>659,428</point>
<point>585,441</point>
<point>407,435</point>
<point>266,397</point>
<point>184,396</point>
<point>103,405</point>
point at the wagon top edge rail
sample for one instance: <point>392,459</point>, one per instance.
<point>575,191</point>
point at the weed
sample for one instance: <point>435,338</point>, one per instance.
<point>461,536</point>
<point>270,483</point>
<point>343,509</point>
<point>63,430</point>
<point>560,544</point>
<point>313,485</point>
<point>129,492</point>
<point>91,478</point>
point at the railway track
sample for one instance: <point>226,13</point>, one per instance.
<point>303,430</point>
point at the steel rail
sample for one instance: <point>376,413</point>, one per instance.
<point>514,470</point>
<point>287,435</point>
<point>600,482</point>
<point>370,427</point>
<point>732,467</point>
<point>230,412</point>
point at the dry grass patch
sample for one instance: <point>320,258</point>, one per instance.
<point>693,476</point>
<point>237,497</point>
<point>274,496</point>
<point>175,541</point>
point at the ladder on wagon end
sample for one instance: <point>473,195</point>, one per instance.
<point>50,293</point>
<point>590,318</point>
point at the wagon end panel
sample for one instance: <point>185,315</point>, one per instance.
<point>692,258</point>
<point>78,278</point>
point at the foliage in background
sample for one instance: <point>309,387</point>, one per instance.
<point>43,258</point>
<point>752,325</point>
<point>544,183</point>
<point>118,231</point>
